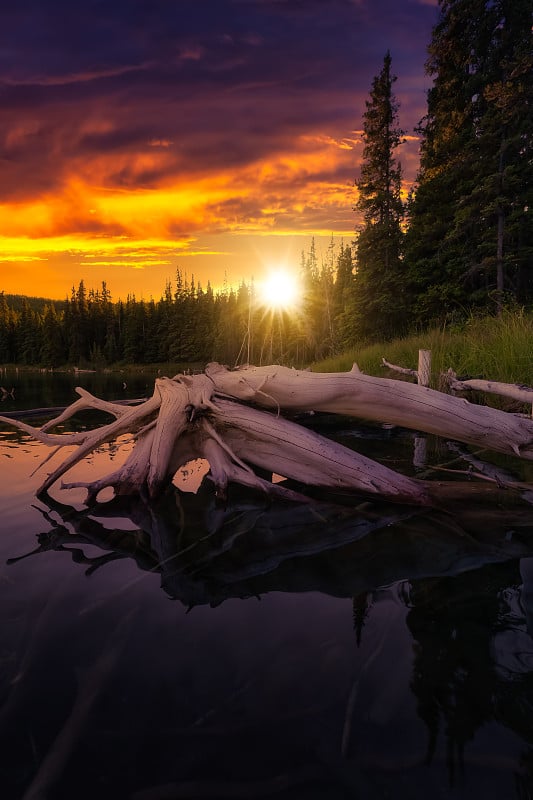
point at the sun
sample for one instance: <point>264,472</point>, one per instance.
<point>280,290</point>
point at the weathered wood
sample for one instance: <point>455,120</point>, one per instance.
<point>422,374</point>
<point>203,416</point>
<point>424,367</point>
<point>379,399</point>
<point>182,421</point>
<point>402,370</point>
<point>275,444</point>
<point>524,394</point>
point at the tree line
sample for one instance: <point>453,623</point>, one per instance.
<point>460,242</point>
<point>187,325</point>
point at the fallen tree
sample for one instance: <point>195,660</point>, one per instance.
<point>524,394</point>
<point>215,416</point>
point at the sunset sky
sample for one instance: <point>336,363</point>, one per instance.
<point>218,136</point>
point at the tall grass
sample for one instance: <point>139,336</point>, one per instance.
<point>493,348</point>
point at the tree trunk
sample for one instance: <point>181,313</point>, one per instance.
<point>378,399</point>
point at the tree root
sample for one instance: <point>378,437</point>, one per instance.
<point>209,416</point>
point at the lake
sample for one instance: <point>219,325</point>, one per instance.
<point>187,650</point>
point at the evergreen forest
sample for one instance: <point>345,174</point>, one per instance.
<point>460,242</point>
<point>187,325</point>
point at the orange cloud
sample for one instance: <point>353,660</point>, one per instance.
<point>303,188</point>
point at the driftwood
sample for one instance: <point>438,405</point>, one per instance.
<point>524,394</point>
<point>379,399</point>
<point>215,416</point>
<point>413,373</point>
<point>422,374</point>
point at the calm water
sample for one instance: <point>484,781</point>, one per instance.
<point>188,651</point>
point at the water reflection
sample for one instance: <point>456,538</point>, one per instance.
<point>206,554</point>
<point>31,388</point>
<point>466,604</point>
<point>472,666</point>
<point>390,655</point>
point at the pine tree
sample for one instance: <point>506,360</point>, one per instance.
<point>506,144</point>
<point>28,339</point>
<point>344,299</point>
<point>377,303</point>
<point>52,351</point>
<point>7,331</point>
<point>79,339</point>
<point>469,238</point>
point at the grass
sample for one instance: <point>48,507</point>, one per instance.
<point>492,348</point>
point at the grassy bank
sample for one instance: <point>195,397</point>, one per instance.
<point>498,349</point>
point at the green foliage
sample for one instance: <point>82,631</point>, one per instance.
<point>52,338</point>
<point>188,325</point>
<point>488,347</point>
<point>37,304</point>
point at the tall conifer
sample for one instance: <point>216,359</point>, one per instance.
<point>470,228</point>
<point>377,307</point>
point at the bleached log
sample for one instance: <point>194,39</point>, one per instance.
<point>201,416</point>
<point>129,422</point>
<point>402,370</point>
<point>422,374</point>
<point>281,446</point>
<point>226,467</point>
<point>523,394</point>
<point>424,367</point>
<point>87,401</point>
<point>380,399</point>
<point>128,479</point>
<point>184,420</point>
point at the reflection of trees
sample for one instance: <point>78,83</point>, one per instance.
<point>453,678</point>
<point>459,679</point>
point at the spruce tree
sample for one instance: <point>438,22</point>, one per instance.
<point>506,145</point>
<point>7,331</point>
<point>344,299</point>
<point>469,237</point>
<point>377,300</point>
<point>52,352</point>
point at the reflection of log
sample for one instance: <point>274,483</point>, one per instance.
<point>206,554</point>
<point>198,416</point>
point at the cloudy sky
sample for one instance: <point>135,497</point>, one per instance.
<point>219,136</point>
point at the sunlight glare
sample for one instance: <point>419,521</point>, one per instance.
<point>280,290</point>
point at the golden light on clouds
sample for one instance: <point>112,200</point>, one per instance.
<point>204,222</point>
<point>105,227</point>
